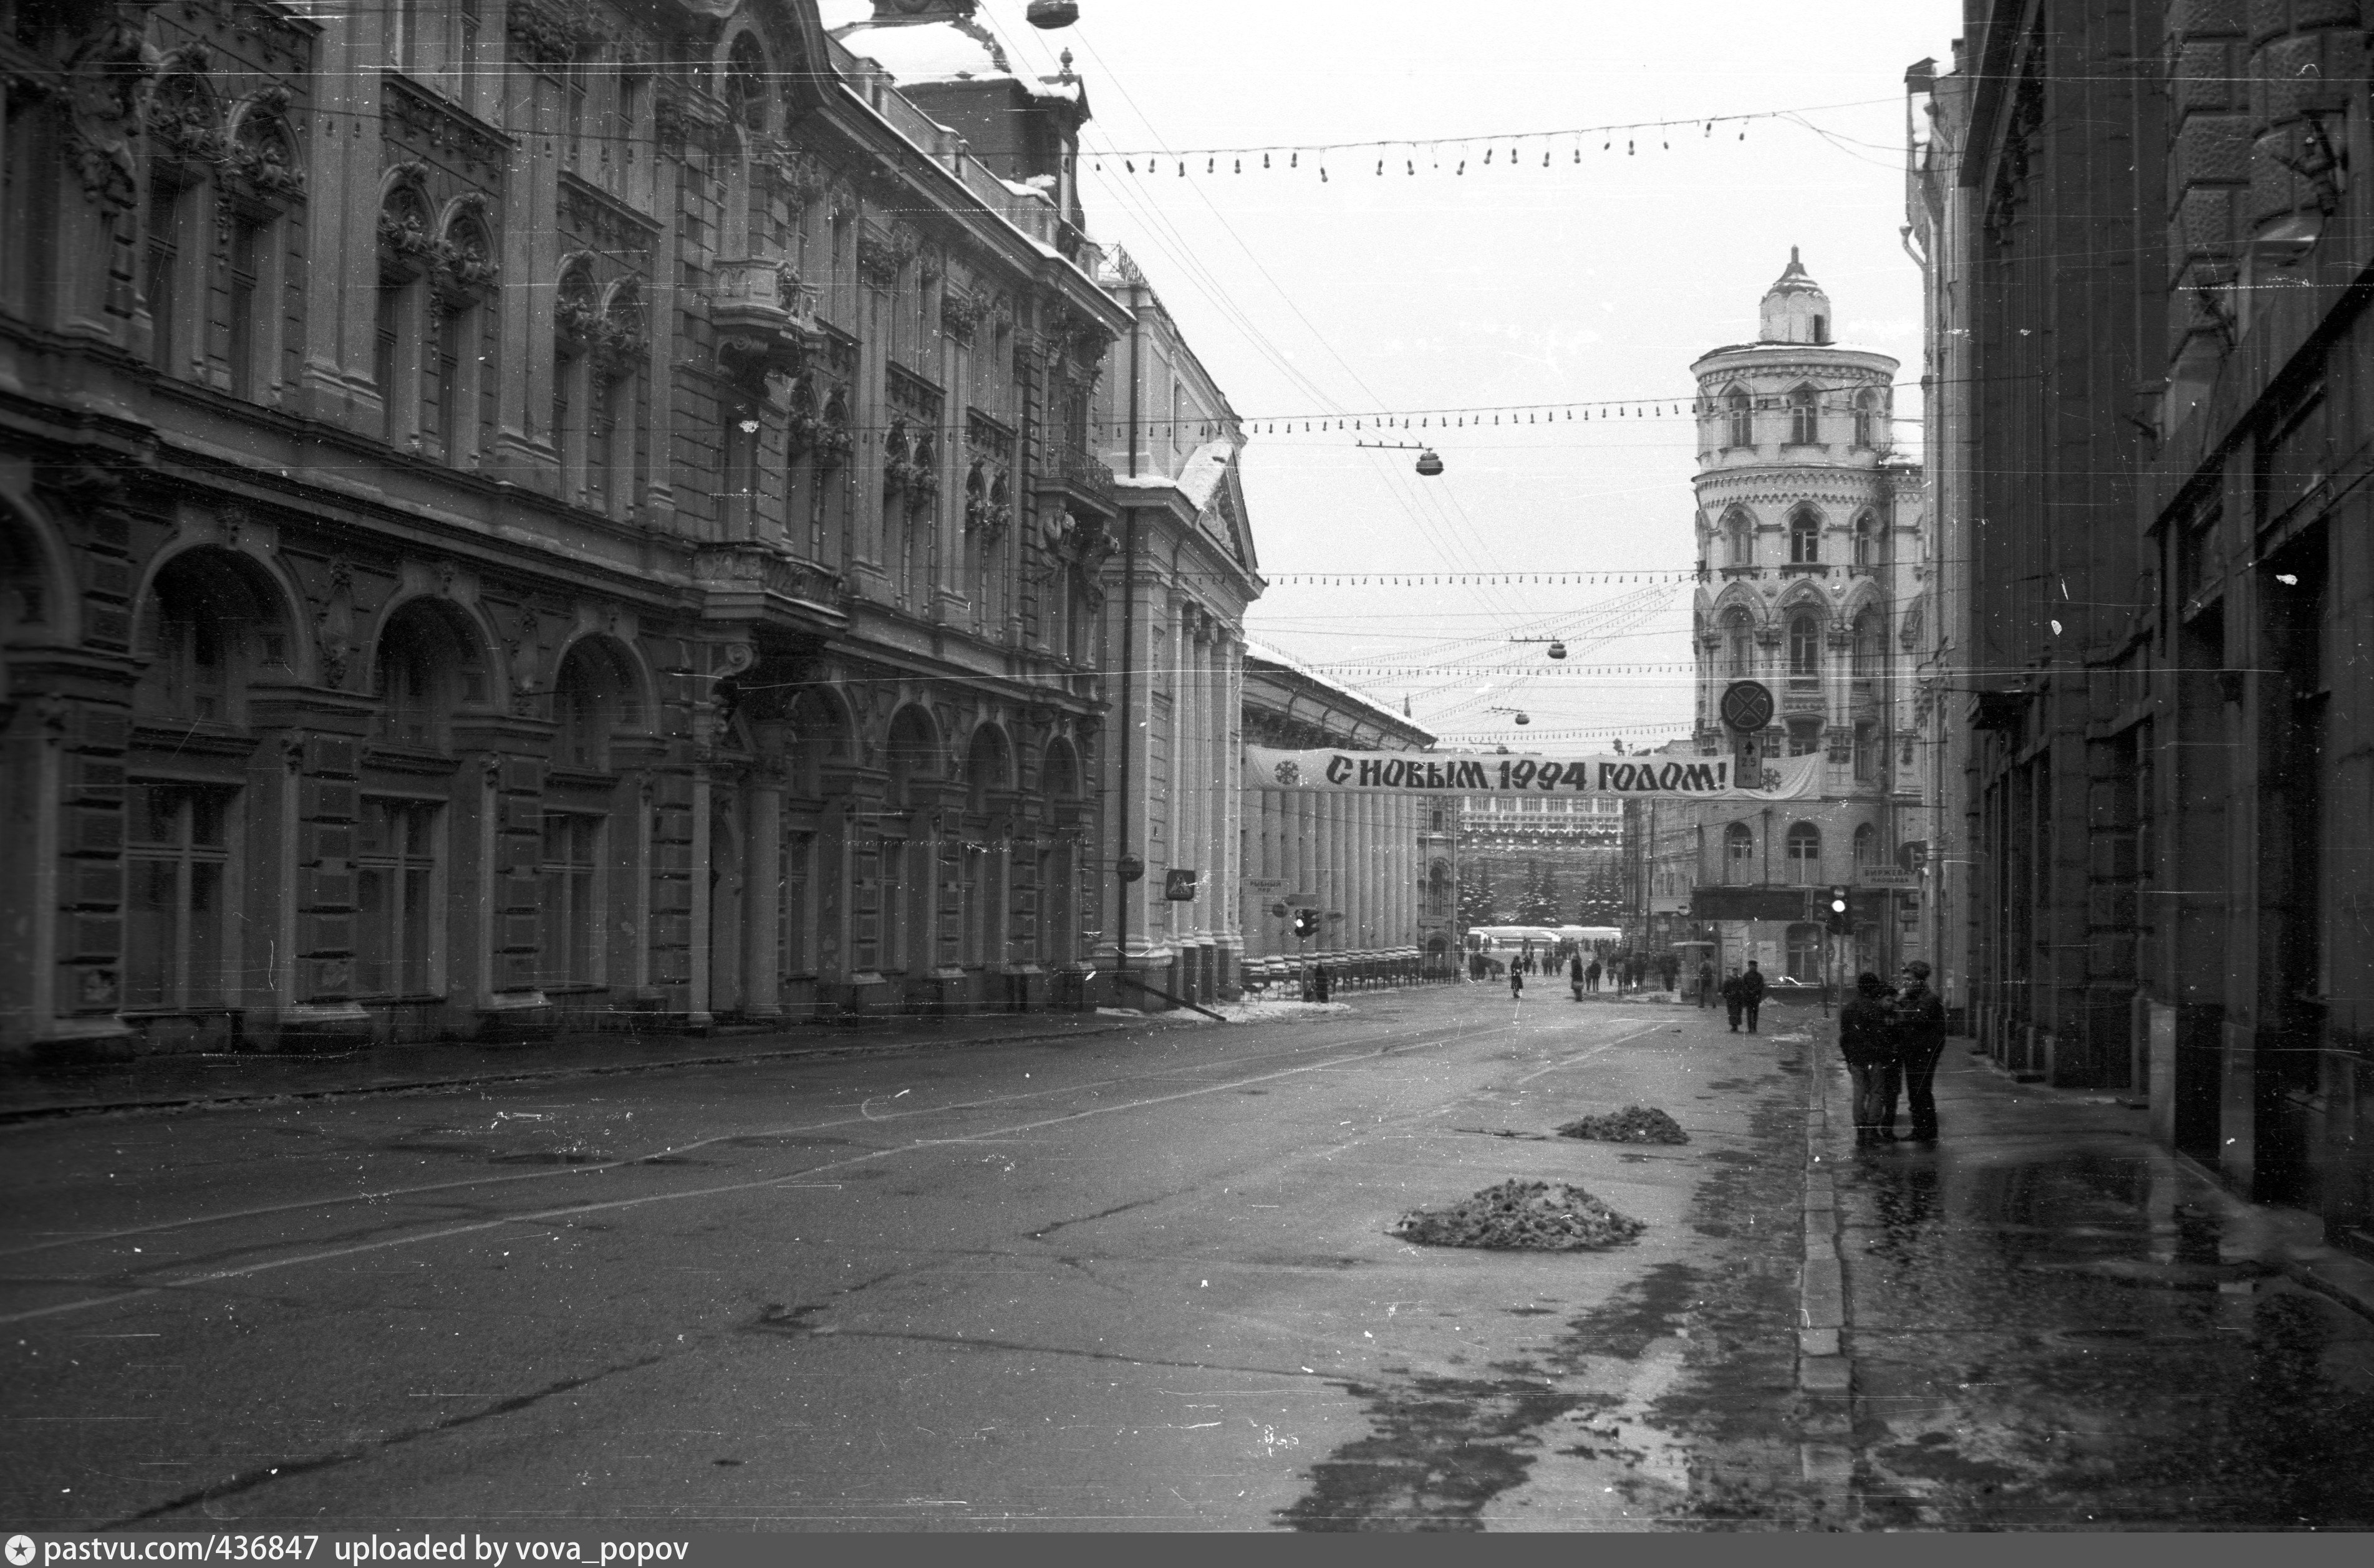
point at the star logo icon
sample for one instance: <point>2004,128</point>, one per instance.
<point>20,1550</point>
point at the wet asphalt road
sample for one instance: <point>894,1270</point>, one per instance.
<point>1144,1282</point>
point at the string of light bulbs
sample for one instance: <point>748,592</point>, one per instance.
<point>1500,149</point>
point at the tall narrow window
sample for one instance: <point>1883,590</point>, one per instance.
<point>466,54</point>
<point>177,858</point>
<point>1866,766</point>
<point>1805,850</point>
<point>1866,417</point>
<point>1805,645</point>
<point>1738,854</point>
<point>246,243</point>
<point>395,867</point>
<point>1866,554</point>
<point>1738,644</point>
<point>162,281</point>
<point>1805,537</point>
<point>1804,952</point>
<point>451,416</point>
<point>601,445</point>
<point>1866,645</point>
<point>1804,428</point>
<point>1739,413</point>
<point>407,51</point>
<point>387,354</point>
<point>1866,846</point>
<point>568,911</point>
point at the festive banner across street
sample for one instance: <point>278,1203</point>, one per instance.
<point>1425,773</point>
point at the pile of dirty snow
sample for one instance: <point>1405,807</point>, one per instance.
<point>1546,1216</point>
<point>1260,1008</point>
<point>1633,1124</point>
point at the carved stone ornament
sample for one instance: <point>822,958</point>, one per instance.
<point>103,82</point>
<point>959,314</point>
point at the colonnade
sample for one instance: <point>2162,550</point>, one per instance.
<point>1354,858</point>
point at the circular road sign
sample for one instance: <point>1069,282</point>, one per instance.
<point>1746,705</point>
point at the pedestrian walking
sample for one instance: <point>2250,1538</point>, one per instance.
<point>1673,967</point>
<point>1751,993</point>
<point>1706,982</point>
<point>1591,976</point>
<point>1867,1038</point>
<point>1516,983</point>
<point>1920,1039</point>
<point>1574,975</point>
<point>1735,1002</point>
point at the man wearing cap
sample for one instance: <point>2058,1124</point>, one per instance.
<point>1920,1038</point>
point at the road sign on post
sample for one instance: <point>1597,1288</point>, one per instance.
<point>1746,708</point>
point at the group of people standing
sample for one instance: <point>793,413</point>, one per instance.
<point>1892,1039</point>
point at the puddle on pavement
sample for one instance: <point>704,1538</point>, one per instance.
<point>2081,1339</point>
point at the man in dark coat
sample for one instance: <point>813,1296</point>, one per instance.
<point>1919,1037</point>
<point>1867,1039</point>
<point>1751,993</point>
<point>1733,1001</point>
<point>1591,975</point>
<point>1574,974</point>
<point>1706,982</point>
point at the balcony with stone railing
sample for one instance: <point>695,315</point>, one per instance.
<point>764,316</point>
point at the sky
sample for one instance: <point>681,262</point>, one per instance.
<point>1587,282</point>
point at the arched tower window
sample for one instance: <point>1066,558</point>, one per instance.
<point>1804,424</point>
<point>1739,643</point>
<point>1738,538</point>
<point>1867,419</point>
<point>1866,542</point>
<point>1738,411</point>
<point>1805,537</point>
<point>746,83</point>
<point>1866,645</point>
<point>1805,644</point>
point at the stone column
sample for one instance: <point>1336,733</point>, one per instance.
<point>762,899</point>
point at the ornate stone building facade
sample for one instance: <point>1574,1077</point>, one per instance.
<point>2153,283</point>
<point>1809,537</point>
<point>1381,870</point>
<point>517,513</point>
<point>1176,592</point>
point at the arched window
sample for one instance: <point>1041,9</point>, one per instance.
<point>746,83</point>
<point>1805,644</point>
<point>423,670</point>
<point>1866,419</point>
<point>185,132</point>
<point>1805,537</point>
<point>1865,532</point>
<point>1738,538</point>
<point>407,247</point>
<point>1738,853</point>
<point>593,698</point>
<point>1739,643</point>
<point>1866,846</point>
<point>1866,645</point>
<point>1739,414</point>
<point>1804,427</point>
<point>1803,850</point>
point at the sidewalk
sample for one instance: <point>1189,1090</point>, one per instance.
<point>2048,1318</point>
<point>28,1092</point>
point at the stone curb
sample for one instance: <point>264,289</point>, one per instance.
<point>1825,1371</point>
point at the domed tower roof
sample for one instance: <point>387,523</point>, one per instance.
<point>1795,309</point>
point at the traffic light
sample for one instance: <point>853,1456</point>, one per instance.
<point>1306,922</point>
<point>1837,912</point>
